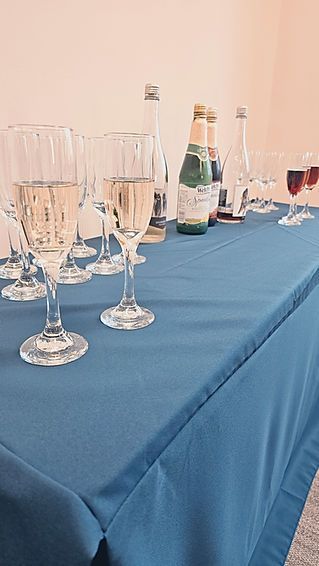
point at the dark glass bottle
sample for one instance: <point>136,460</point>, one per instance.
<point>195,179</point>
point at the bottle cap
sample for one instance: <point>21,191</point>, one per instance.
<point>151,92</point>
<point>242,112</point>
<point>212,114</point>
<point>200,111</point>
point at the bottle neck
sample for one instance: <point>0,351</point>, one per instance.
<point>151,119</point>
<point>212,134</point>
<point>198,134</point>
<point>240,133</point>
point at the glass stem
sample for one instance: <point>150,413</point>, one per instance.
<point>291,211</point>
<point>25,276</point>
<point>106,242</point>
<point>53,325</point>
<point>128,299</point>
<point>78,238</point>
<point>306,207</point>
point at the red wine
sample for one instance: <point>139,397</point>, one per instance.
<point>313,177</point>
<point>296,180</point>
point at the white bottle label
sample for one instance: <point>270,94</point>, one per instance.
<point>240,200</point>
<point>214,198</point>
<point>193,204</point>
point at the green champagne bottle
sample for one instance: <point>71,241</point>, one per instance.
<point>195,179</point>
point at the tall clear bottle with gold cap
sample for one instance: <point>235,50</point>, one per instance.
<point>195,179</point>
<point>233,198</point>
<point>214,159</point>
<point>156,230</point>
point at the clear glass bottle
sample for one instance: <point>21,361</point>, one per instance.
<point>214,162</point>
<point>195,179</point>
<point>156,230</point>
<point>233,199</point>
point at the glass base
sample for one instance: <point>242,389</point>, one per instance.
<point>11,270</point>
<point>22,291</point>
<point>105,267</point>
<point>56,351</point>
<point>304,215</point>
<point>73,275</point>
<point>118,258</point>
<point>272,207</point>
<point>262,209</point>
<point>80,249</point>
<point>123,318</point>
<point>289,221</point>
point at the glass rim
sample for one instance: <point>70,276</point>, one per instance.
<point>127,135</point>
<point>40,127</point>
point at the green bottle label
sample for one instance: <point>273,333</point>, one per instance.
<point>201,152</point>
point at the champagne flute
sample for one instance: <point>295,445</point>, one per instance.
<point>128,198</point>
<point>310,184</point>
<point>70,273</point>
<point>46,196</point>
<point>26,287</point>
<point>296,177</point>
<point>275,163</point>
<point>104,265</point>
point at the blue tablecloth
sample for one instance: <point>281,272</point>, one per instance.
<point>192,442</point>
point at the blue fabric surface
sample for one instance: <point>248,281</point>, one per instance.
<point>187,443</point>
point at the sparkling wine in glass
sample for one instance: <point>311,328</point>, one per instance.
<point>128,198</point>
<point>46,197</point>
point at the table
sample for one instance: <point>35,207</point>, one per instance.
<point>192,442</point>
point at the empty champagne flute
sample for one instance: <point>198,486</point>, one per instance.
<point>70,273</point>
<point>46,197</point>
<point>275,162</point>
<point>26,287</point>
<point>311,183</point>
<point>296,177</point>
<point>128,198</point>
<point>104,265</point>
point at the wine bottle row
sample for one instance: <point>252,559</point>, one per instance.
<point>205,192</point>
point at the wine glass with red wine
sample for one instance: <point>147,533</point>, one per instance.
<point>311,182</point>
<point>297,173</point>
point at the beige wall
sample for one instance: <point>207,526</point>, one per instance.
<point>84,63</point>
<point>294,117</point>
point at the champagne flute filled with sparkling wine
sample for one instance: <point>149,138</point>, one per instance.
<point>27,287</point>
<point>128,196</point>
<point>46,196</point>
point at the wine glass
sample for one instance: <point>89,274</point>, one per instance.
<point>310,184</point>
<point>46,197</point>
<point>70,273</point>
<point>296,177</point>
<point>104,265</point>
<point>12,268</point>
<point>128,198</point>
<point>254,166</point>
<point>275,162</point>
<point>26,287</point>
<point>263,180</point>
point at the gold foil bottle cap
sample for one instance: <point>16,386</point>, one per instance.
<point>212,114</point>
<point>151,92</point>
<point>200,111</point>
<point>242,112</point>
